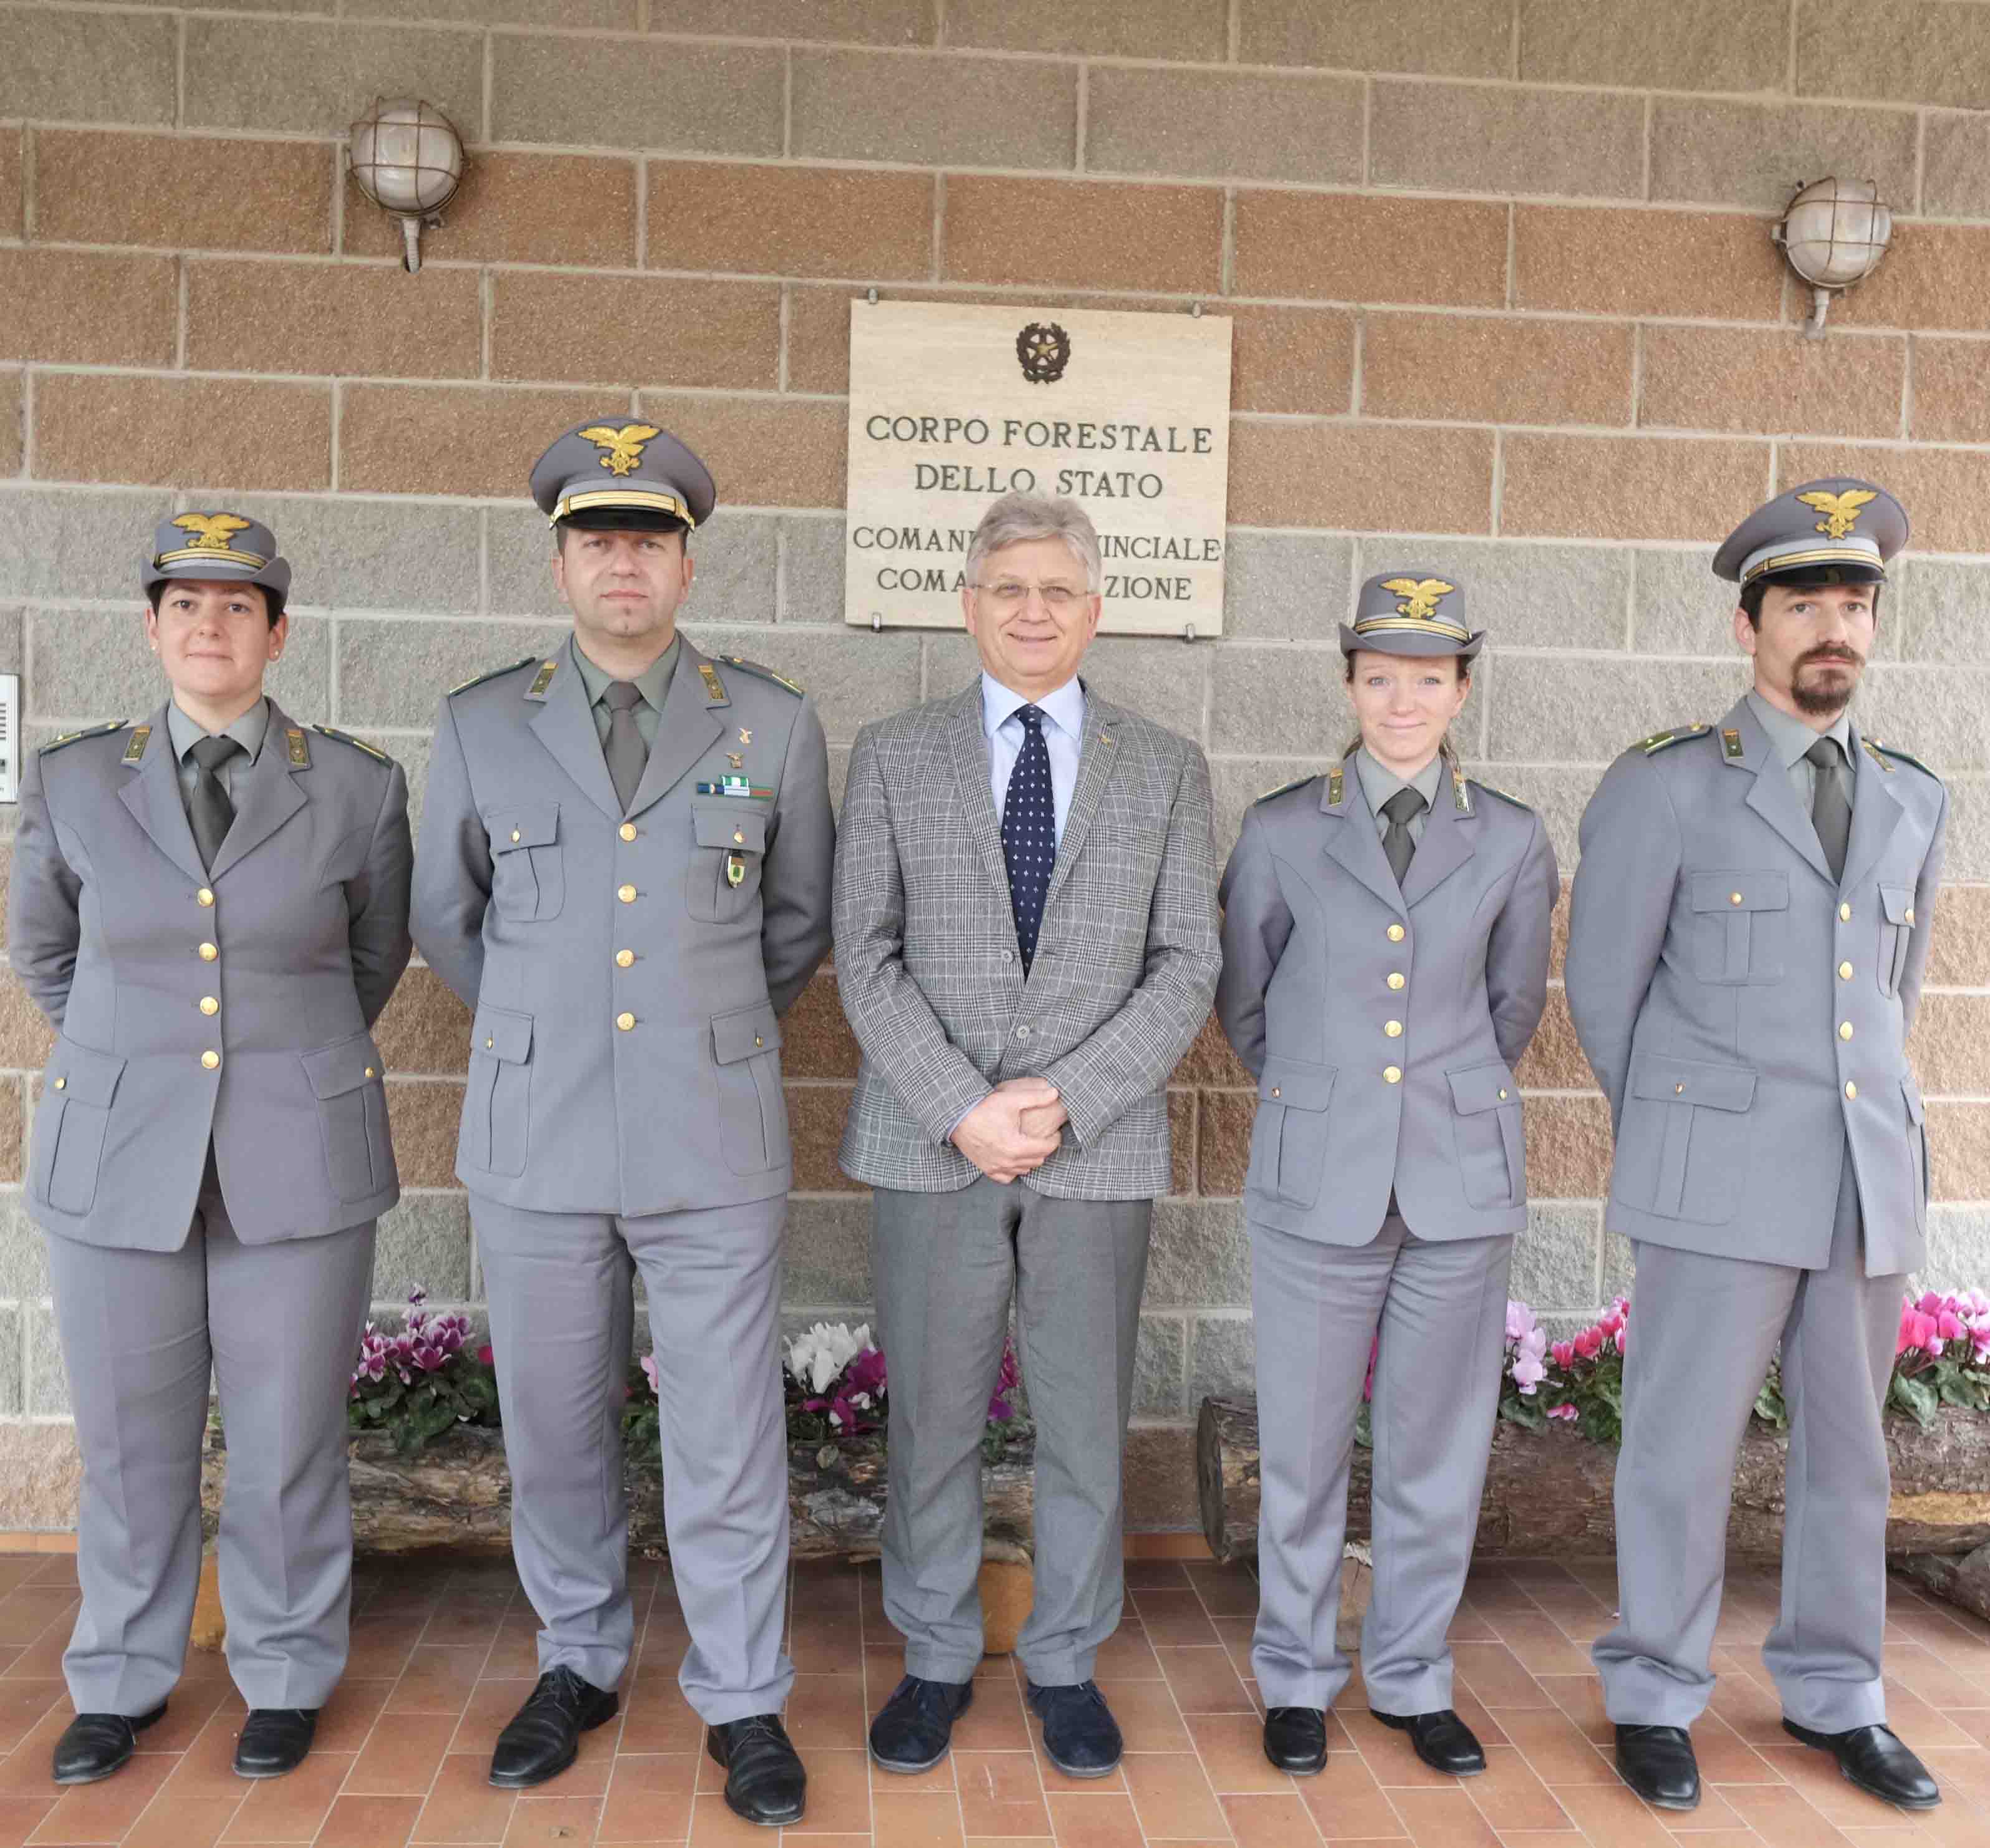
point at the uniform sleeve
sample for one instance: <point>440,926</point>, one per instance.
<point>894,1024</point>
<point>1257,925</point>
<point>1631,850</point>
<point>452,877</point>
<point>44,924</point>
<point>1130,1055</point>
<point>377,933</point>
<point>794,877</point>
<point>1516,953</point>
<point>1926,890</point>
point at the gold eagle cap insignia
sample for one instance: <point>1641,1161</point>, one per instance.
<point>211,530</point>
<point>622,448</point>
<point>1841,511</point>
<point>1424,596</point>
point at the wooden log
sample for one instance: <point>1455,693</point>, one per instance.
<point>1964,1581</point>
<point>1548,1493</point>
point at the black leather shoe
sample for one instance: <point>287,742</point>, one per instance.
<point>1657,1762</point>
<point>915,1727</point>
<point>1081,1737</point>
<point>765,1782</point>
<point>274,1740</point>
<point>93,1745</point>
<point>1295,1739</point>
<point>1872,1758</point>
<point>543,1737</point>
<point>1443,1740</point>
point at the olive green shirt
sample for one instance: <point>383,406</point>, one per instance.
<point>1790,738</point>
<point>654,683</point>
<point>184,733</point>
<point>1379,783</point>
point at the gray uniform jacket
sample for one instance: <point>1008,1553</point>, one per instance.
<point>234,1003</point>
<point>1745,1014</point>
<point>626,974</point>
<point>931,980</point>
<point>1334,978</point>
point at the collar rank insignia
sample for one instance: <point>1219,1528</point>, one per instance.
<point>1730,741</point>
<point>714,687</point>
<point>622,450</point>
<point>136,748</point>
<point>1336,780</point>
<point>1878,757</point>
<point>1460,796</point>
<point>1841,511</point>
<point>543,679</point>
<point>299,750</point>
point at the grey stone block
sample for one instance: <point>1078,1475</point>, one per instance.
<point>1729,153</point>
<point>1237,782</point>
<point>518,558</point>
<point>1932,610</point>
<point>411,753</point>
<point>424,1242</point>
<point>13,653</point>
<point>87,67</point>
<point>1968,829</point>
<point>47,1382</point>
<point>1728,45</point>
<point>1223,1358</point>
<point>1220,125</point>
<point>1278,701</point>
<point>1562,711</point>
<point>1462,38</point>
<point>948,661</point>
<point>732,563</point>
<point>24,1251</point>
<point>1159,1363</point>
<point>812,552</point>
<point>62,542</point>
<point>1286,586</point>
<point>350,554</point>
<point>1955,169</point>
<point>1558,793</point>
<point>1188,30</point>
<point>1556,1261</point>
<point>313,78</point>
<point>869,21</point>
<point>1161,678</point>
<point>1679,607</point>
<point>12,1394</point>
<point>1523,595</point>
<point>1910,51</point>
<point>1619,1266</point>
<point>1488,139</point>
<point>854,677</point>
<point>1935,712</point>
<point>394,671</point>
<point>828,1252</point>
<point>1199,1256</point>
<point>1958,1241</point>
<point>941,111</point>
<point>700,99</point>
<point>95,665</point>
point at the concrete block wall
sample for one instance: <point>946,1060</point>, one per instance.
<point>1505,304</point>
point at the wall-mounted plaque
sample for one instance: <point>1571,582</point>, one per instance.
<point>1129,415</point>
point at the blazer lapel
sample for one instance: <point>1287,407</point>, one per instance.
<point>691,723</point>
<point>1876,811</point>
<point>265,798</point>
<point>1447,844</point>
<point>969,750</point>
<point>565,725</point>
<point>152,792</point>
<point>1098,753</point>
<point>1772,797</point>
<point>1352,841</point>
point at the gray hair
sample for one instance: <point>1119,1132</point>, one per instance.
<point>1017,518</point>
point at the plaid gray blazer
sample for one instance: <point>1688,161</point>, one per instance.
<point>927,966</point>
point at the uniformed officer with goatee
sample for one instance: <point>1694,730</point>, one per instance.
<point>1749,929</point>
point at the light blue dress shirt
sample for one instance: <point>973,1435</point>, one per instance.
<point>1063,732</point>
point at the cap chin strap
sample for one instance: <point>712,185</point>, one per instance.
<point>569,504</point>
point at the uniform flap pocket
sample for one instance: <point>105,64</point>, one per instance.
<point>1300,1087</point>
<point>532,825</point>
<point>503,1034</point>
<point>741,1035</point>
<point>1482,1088</point>
<point>1688,1082</point>
<point>735,822</point>
<point>83,1076</point>
<point>333,1070</point>
<point>1749,891</point>
<point>1912,1092</point>
<point>1897,901</point>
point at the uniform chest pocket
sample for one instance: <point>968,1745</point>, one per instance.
<point>1740,926</point>
<point>728,844</point>
<point>527,883</point>
<point>1485,1123</point>
<point>1896,932</point>
<point>1289,1141</point>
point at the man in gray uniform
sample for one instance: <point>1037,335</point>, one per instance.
<point>1749,928</point>
<point>624,871</point>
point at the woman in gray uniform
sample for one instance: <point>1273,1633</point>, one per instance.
<point>1385,944</point>
<point>212,909</point>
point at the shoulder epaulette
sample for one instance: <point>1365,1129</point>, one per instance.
<point>1492,789</point>
<point>359,744</point>
<point>55,744</point>
<point>1659,740</point>
<point>477,680</point>
<point>1883,751</point>
<point>1296,783</point>
<point>754,667</point>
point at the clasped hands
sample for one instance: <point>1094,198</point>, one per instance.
<point>1014,1130</point>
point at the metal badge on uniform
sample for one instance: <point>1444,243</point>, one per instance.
<point>136,748</point>
<point>1460,795</point>
<point>1730,741</point>
<point>714,687</point>
<point>1336,778</point>
<point>300,751</point>
<point>735,869</point>
<point>745,736</point>
<point>543,679</point>
<point>737,762</point>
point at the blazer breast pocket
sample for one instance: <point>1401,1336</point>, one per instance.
<point>729,843</point>
<point>352,1115</point>
<point>71,1123</point>
<point>1740,926</point>
<point>497,1112</point>
<point>1486,1126</point>
<point>1684,1150</point>
<point>1896,932</point>
<point>1288,1140</point>
<point>528,882</point>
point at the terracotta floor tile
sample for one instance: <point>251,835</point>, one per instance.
<point>1612,1817</point>
<point>1509,1796</point>
<point>1232,1747</point>
<point>1149,1719</point>
<point>1902,1835</point>
<point>171,1822</point>
<point>1443,1819</point>
<point>1203,1680</point>
<point>1270,1821</point>
<point>657,1718</point>
<point>1581,1698</point>
<point>1171,1794</point>
<point>1001,1792</point>
<point>1156,1574</point>
<point>20,1816</point>
<point>713,1825</point>
<point>492,1702</point>
<point>513,1653</point>
<point>401,1757</point>
<point>290,1808</point>
<point>1555,1747</point>
<point>1543,1645</point>
<point>839,1795</point>
<point>468,1623</point>
<point>41,1660</point>
<point>1493,1673</point>
<point>996,1721</point>
<point>828,1711</point>
<point>825,1645</point>
<point>649,1799</point>
<point>462,1806</point>
<point>1473,1712</point>
<point>1127,1655</point>
<point>553,1822</point>
<point>1173,1616</point>
<point>1229,1590</point>
<point>369,1822</point>
<point>1779,1815</point>
<point>1726,1758</point>
<point>916,1819</point>
<point>437,1680</point>
<point>26,1612</point>
<point>1925,1673</point>
<point>1104,1821</point>
<point>1347,1805</point>
<point>1390,1756</point>
<point>105,1811</point>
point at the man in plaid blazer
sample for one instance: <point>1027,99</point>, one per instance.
<point>1026,942</point>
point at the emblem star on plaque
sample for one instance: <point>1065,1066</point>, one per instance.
<point>1043,349</point>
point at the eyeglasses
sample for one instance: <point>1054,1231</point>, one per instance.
<point>1010,594</point>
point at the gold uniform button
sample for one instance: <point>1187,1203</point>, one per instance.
<point>210,1059</point>
<point>625,1021</point>
<point>209,1005</point>
<point>1395,933</point>
<point>1678,1090</point>
<point>1845,914</point>
<point>628,830</point>
<point>488,1044</point>
<point>739,840</point>
<point>1392,1075</point>
<point>1395,978</point>
<point>1502,1094</point>
<point>623,958</point>
<point>1910,914</point>
<point>208,952</point>
<point>369,1073</point>
<point>515,835</point>
<point>1276,1091</point>
<point>203,897</point>
<point>1851,1089</point>
<point>1845,1029</point>
<point>757,1041</point>
<point>1845,972</point>
<point>1734,898</point>
<point>1393,1028</point>
<point>62,1084</point>
<point>626,894</point>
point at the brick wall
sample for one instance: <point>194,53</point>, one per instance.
<point>1501,279</point>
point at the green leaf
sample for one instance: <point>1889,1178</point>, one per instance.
<point>1914,1396</point>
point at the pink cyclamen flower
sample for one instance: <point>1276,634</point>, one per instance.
<point>1589,1343</point>
<point>1948,1325</point>
<point>650,1373</point>
<point>1519,1320</point>
<point>1564,1354</point>
<point>1561,1412</point>
<point>488,1355</point>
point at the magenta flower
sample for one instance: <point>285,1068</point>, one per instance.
<point>1561,1412</point>
<point>650,1373</point>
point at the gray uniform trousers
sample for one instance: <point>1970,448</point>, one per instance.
<point>1439,1306</point>
<point>140,1331</point>
<point>561,1324</point>
<point>1701,1340</point>
<point>946,1266</point>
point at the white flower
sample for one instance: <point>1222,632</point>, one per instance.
<point>815,1358</point>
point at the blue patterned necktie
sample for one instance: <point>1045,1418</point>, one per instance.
<point>1029,833</point>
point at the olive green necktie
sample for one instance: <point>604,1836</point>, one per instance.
<point>624,748</point>
<point>1399,810</point>
<point>1830,812</point>
<point>210,809</point>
